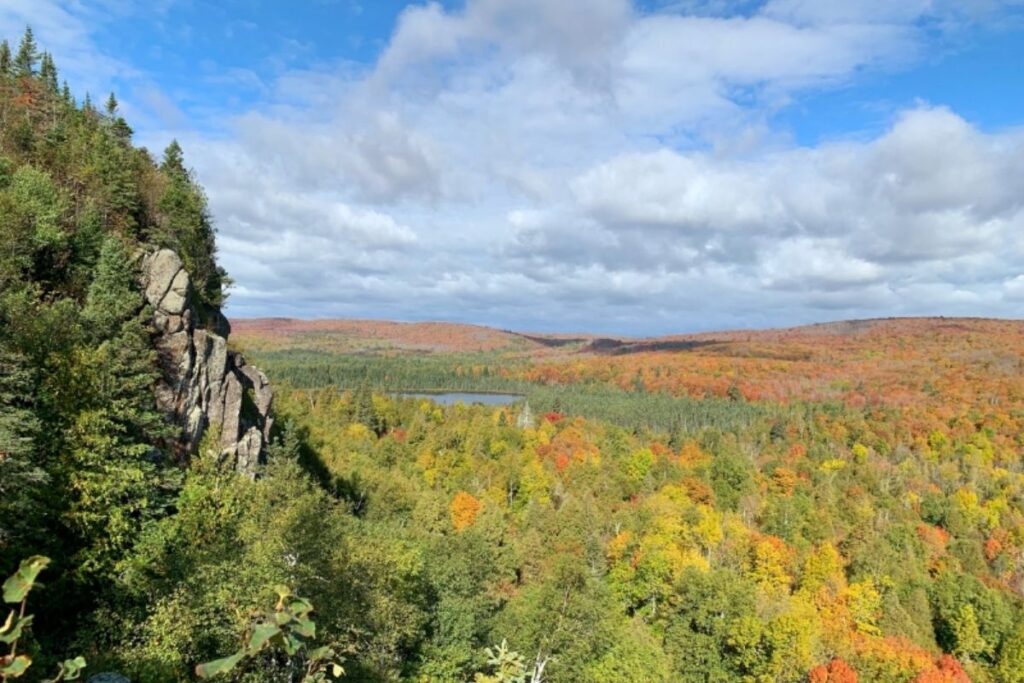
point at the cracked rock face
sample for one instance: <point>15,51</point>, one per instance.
<point>203,386</point>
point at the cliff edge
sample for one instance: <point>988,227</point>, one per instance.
<point>205,390</point>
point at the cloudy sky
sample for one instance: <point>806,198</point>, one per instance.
<point>644,168</point>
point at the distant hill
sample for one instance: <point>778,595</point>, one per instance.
<point>344,335</point>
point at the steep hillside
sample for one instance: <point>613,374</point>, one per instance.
<point>114,366</point>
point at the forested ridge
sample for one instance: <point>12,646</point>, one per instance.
<point>796,507</point>
<point>705,494</point>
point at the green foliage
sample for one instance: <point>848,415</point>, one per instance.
<point>15,592</point>
<point>186,227</point>
<point>22,481</point>
<point>25,61</point>
<point>113,297</point>
<point>288,628</point>
<point>509,667</point>
<point>624,535</point>
<point>82,472</point>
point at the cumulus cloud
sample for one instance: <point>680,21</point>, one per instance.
<point>930,188</point>
<point>534,190</point>
<point>556,165</point>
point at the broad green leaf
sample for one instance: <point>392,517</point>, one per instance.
<point>9,636</point>
<point>324,652</point>
<point>300,607</point>
<point>18,585</point>
<point>292,644</point>
<point>305,627</point>
<point>68,670</point>
<point>261,635</point>
<point>14,667</point>
<point>337,670</point>
<point>219,666</point>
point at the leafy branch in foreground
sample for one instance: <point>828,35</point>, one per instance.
<point>509,666</point>
<point>288,628</point>
<point>16,590</point>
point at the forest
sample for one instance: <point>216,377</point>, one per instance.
<point>833,503</point>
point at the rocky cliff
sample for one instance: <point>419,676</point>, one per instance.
<point>205,390</point>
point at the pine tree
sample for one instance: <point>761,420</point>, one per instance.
<point>117,482</point>
<point>113,469</point>
<point>365,411</point>
<point>113,297</point>
<point>21,480</point>
<point>48,73</point>
<point>5,59</point>
<point>187,227</point>
<point>116,164</point>
<point>25,62</point>
<point>117,124</point>
<point>174,161</point>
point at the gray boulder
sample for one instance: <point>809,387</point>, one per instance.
<point>203,385</point>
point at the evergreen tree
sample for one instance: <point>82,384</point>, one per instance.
<point>111,106</point>
<point>25,61</point>
<point>114,469</point>
<point>113,295</point>
<point>116,163</point>
<point>48,73</point>
<point>21,480</point>
<point>187,228</point>
<point>6,62</point>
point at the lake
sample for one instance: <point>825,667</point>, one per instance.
<point>452,397</point>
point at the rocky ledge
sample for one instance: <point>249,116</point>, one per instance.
<point>205,390</point>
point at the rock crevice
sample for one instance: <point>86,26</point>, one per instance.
<point>204,388</point>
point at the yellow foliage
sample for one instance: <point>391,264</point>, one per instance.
<point>865,604</point>
<point>464,509</point>
<point>823,568</point>
<point>832,465</point>
<point>535,482</point>
<point>618,545</point>
<point>357,430</point>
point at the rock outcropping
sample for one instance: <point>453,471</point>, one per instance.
<point>205,389</point>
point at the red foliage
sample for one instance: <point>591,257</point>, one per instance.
<point>945,670</point>
<point>837,671</point>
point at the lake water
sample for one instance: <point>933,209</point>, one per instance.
<point>452,397</point>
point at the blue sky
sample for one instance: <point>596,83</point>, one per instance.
<point>643,168</point>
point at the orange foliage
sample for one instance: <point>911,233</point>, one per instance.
<point>464,508</point>
<point>996,543</point>
<point>945,670</point>
<point>837,671</point>
<point>568,446</point>
<point>691,454</point>
<point>924,368</point>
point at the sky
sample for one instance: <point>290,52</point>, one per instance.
<point>627,168</point>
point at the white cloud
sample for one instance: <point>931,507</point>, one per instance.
<point>573,164</point>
